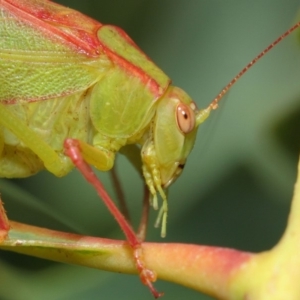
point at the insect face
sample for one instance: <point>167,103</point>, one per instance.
<point>174,133</point>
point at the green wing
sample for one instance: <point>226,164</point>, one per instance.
<point>38,63</point>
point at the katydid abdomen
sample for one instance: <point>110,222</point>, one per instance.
<point>53,121</point>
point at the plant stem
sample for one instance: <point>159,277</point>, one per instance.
<point>202,268</point>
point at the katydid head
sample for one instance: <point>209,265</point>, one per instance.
<point>174,133</point>
<point>175,129</point>
<point>178,120</point>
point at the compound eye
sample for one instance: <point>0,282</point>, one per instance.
<point>185,118</point>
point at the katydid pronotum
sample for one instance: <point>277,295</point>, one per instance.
<point>86,91</point>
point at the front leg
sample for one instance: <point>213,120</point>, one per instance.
<point>81,153</point>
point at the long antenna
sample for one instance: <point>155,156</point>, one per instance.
<point>214,103</point>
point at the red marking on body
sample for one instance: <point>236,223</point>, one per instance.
<point>147,80</point>
<point>74,28</point>
<point>155,88</point>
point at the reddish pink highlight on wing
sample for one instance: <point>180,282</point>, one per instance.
<point>75,29</point>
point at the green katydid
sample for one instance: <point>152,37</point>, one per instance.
<point>86,91</point>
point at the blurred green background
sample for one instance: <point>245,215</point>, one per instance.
<point>236,188</point>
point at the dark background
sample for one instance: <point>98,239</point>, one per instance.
<point>236,188</point>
